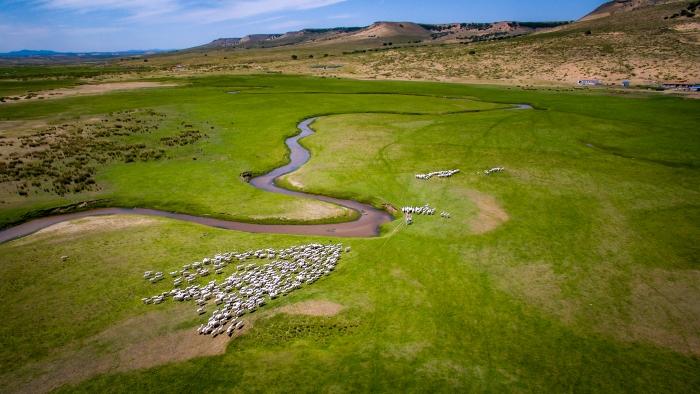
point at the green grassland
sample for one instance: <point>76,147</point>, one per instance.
<point>575,270</point>
<point>244,133</point>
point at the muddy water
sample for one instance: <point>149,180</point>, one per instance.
<point>366,226</point>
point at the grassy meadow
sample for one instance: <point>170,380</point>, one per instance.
<point>575,270</point>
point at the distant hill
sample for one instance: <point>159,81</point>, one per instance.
<point>45,56</point>
<point>384,32</point>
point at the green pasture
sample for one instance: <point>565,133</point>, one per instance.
<point>575,270</point>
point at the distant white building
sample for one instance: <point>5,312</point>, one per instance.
<point>693,87</point>
<point>589,82</point>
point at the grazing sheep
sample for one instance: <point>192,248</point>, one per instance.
<point>251,286</point>
<point>424,210</point>
<point>494,170</point>
<point>439,174</point>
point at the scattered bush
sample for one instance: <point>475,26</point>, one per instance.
<point>63,159</point>
<point>187,137</point>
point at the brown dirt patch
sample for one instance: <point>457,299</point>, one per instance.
<point>18,127</point>
<point>665,310</point>
<point>307,210</point>
<point>490,214</point>
<point>688,27</point>
<point>179,346</point>
<point>91,89</point>
<point>144,341</point>
<point>89,225</point>
<point>312,308</point>
<point>539,285</point>
<point>294,182</point>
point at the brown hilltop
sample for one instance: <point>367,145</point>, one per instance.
<point>377,33</point>
<point>619,6</point>
<point>407,30</point>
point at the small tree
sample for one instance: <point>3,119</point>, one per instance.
<point>295,57</point>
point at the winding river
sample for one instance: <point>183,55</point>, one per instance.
<point>367,225</point>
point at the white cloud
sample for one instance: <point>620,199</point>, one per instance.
<point>242,9</point>
<point>24,30</point>
<point>132,7</point>
<point>182,10</point>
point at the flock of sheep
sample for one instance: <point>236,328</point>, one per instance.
<point>424,210</point>
<point>494,170</point>
<point>449,173</point>
<point>439,174</point>
<point>249,287</point>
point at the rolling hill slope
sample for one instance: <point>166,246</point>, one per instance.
<point>621,6</point>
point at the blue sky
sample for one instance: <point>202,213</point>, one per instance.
<point>108,25</point>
